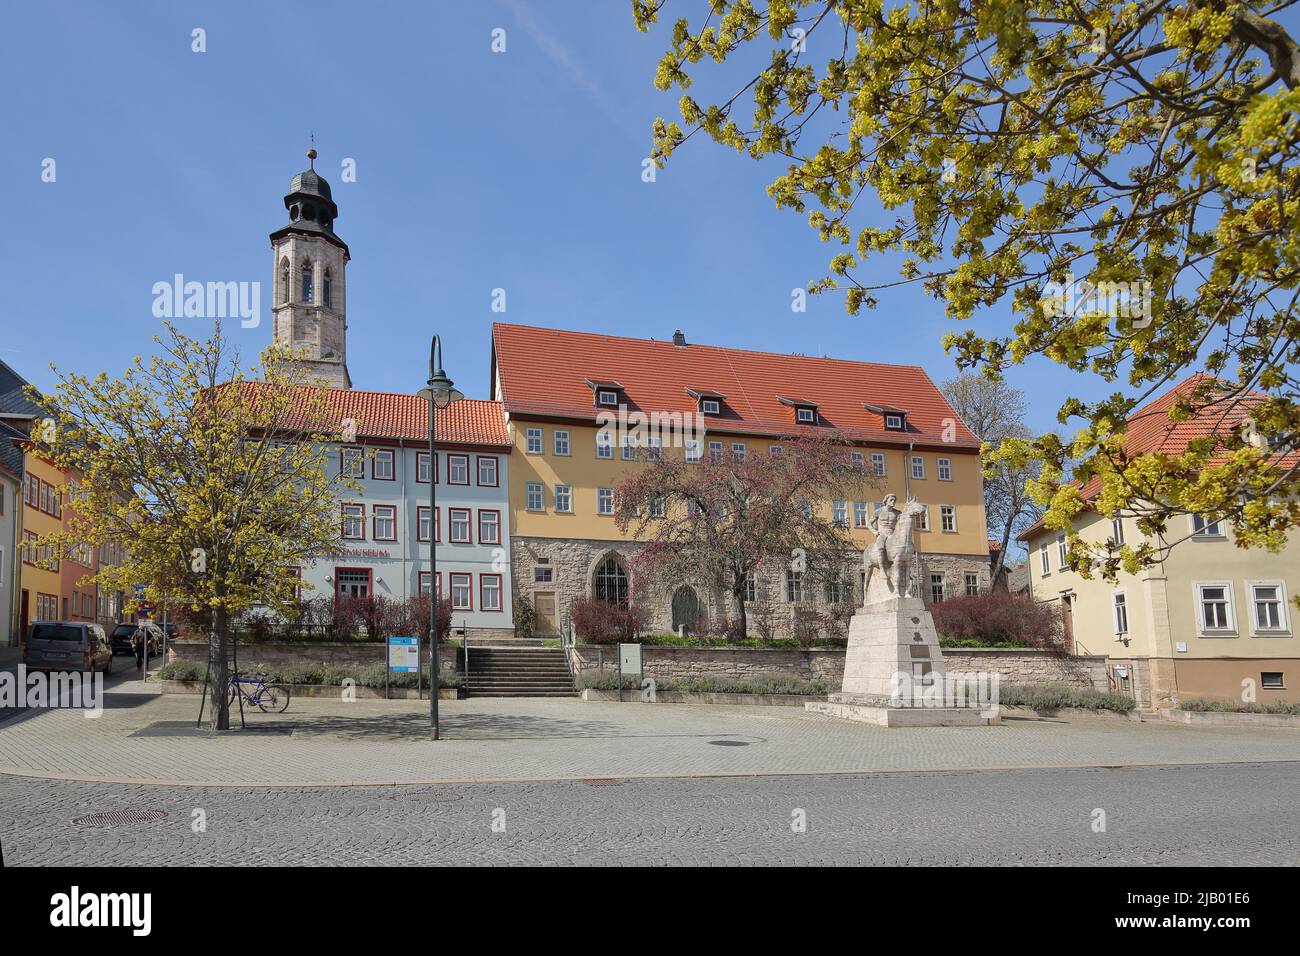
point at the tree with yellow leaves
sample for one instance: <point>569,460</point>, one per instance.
<point>216,481</point>
<point>1121,176</point>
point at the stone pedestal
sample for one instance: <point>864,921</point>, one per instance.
<point>893,648</point>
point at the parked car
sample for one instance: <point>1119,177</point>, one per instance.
<point>68,646</point>
<point>121,639</point>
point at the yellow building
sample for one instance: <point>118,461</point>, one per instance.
<point>560,387</point>
<point>1210,620</point>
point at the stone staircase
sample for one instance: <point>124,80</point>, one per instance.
<point>518,671</point>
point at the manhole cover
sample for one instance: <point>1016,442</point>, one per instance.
<point>120,818</point>
<point>730,743</point>
<point>601,782</point>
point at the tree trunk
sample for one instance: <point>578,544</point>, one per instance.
<point>743,620</point>
<point>219,679</point>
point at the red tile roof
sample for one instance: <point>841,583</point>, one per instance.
<point>1150,429</point>
<point>397,416</point>
<point>544,372</point>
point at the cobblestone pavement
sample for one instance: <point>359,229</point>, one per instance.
<point>326,742</point>
<point>1236,815</point>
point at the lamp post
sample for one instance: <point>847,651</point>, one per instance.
<point>440,392</point>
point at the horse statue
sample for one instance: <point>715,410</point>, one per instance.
<point>893,553</point>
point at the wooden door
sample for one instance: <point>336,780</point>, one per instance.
<point>544,605</point>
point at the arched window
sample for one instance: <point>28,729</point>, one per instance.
<point>326,288</point>
<point>284,280</point>
<point>611,581</point>
<point>306,282</point>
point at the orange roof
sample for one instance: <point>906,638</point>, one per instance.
<point>1150,429</point>
<point>397,416</point>
<point>545,372</point>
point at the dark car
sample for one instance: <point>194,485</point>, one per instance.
<point>121,639</point>
<point>68,646</point>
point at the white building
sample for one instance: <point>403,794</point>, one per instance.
<point>385,530</point>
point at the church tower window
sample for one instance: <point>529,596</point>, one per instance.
<point>306,282</point>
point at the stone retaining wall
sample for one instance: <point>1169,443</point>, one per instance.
<point>1015,666</point>
<point>354,653</point>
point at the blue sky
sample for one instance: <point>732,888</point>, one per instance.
<point>475,171</point>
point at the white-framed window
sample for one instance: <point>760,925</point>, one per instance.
<point>535,496</point>
<point>354,522</point>
<point>458,525</point>
<point>1117,530</point>
<point>776,451</point>
<point>692,449</point>
<point>543,575</point>
<point>604,501</point>
<point>462,593</point>
<point>1268,607</point>
<point>840,513</point>
<point>1215,606</point>
<point>750,594</point>
<point>653,447</point>
<point>1060,553</point>
<point>561,441</point>
<point>936,588</point>
<point>1203,527</point>
<point>487,471</point>
<point>943,467</point>
<point>564,498</point>
<point>533,441</point>
<point>489,526</point>
<point>381,466</point>
<point>422,523</point>
<point>715,451</point>
<point>878,463</point>
<point>658,506</point>
<point>604,444</point>
<point>793,585</point>
<point>489,592</point>
<point>607,396</point>
<point>353,462</point>
<point>629,448</point>
<point>422,467</point>
<point>860,514</point>
<point>709,406</point>
<point>1047,561</point>
<point>918,467</point>
<point>947,518</point>
<point>972,583</point>
<point>859,459</point>
<point>894,422</point>
<point>924,516</point>
<point>458,469</point>
<point>385,519</point>
<point>1119,607</point>
<point>806,416</point>
<point>737,451</point>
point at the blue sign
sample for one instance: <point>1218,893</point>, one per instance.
<point>403,655</point>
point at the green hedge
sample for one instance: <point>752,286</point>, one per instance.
<point>1202,705</point>
<point>789,643</point>
<point>372,675</point>
<point>1049,697</point>
<point>759,684</point>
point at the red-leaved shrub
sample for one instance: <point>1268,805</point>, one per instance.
<point>603,622</point>
<point>999,617</point>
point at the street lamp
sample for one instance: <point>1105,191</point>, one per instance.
<point>440,392</point>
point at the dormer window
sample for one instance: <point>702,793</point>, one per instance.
<point>607,396</point>
<point>707,401</point>
<point>806,415</point>
<point>710,406</point>
<point>895,419</point>
<point>805,410</point>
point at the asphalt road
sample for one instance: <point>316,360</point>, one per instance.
<point>1233,815</point>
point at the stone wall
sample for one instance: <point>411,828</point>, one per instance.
<point>571,564</point>
<point>1015,666</point>
<point>355,653</point>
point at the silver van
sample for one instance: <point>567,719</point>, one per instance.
<point>68,646</point>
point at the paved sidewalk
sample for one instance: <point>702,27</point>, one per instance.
<point>329,742</point>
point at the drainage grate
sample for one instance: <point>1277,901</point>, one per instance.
<point>120,818</point>
<point>602,782</point>
<point>730,743</point>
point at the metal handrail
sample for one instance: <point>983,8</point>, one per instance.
<point>567,644</point>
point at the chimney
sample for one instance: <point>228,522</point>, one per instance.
<point>678,338</point>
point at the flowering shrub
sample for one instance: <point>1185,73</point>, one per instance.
<point>603,622</point>
<point>999,617</point>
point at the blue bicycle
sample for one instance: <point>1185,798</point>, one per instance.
<point>271,698</point>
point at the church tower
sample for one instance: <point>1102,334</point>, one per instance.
<point>310,308</point>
